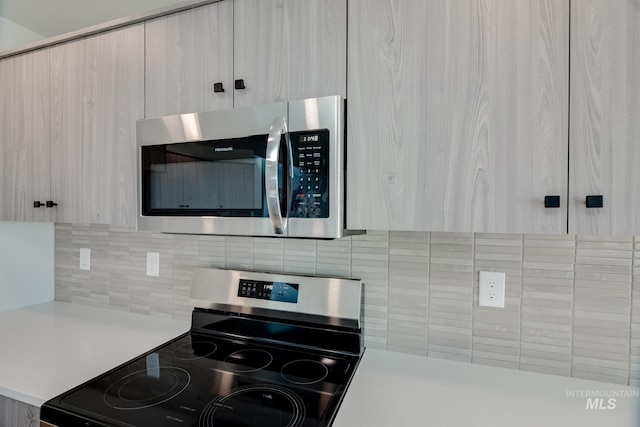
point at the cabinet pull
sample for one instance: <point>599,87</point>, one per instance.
<point>217,87</point>
<point>594,201</point>
<point>551,201</point>
<point>239,84</point>
<point>38,204</point>
<point>50,204</point>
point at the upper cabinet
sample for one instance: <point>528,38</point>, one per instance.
<point>97,94</point>
<point>24,137</point>
<point>245,52</point>
<point>289,49</point>
<point>605,117</point>
<point>187,53</point>
<point>462,115</point>
<point>457,115</point>
<point>67,130</point>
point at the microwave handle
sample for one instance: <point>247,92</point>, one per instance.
<point>278,126</point>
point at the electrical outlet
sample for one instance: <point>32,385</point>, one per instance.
<point>85,259</point>
<point>153,264</point>
<point>491,289</point>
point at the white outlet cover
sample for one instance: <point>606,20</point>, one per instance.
<point>491,289</point>
<point>153,264</point>
<point>85,259</point>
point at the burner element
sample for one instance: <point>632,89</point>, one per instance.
<point>195,350</point>
<point>146,388</point>
<point>304,371</point>
<point>248,360</point>
<point>255,406</point>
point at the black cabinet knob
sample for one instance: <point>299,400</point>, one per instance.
<point>239,84</point>
<point>38,204</point>
<point>217,87</point>
<point>50,204</point>
<point>551,201</point>
<point>595,201</point>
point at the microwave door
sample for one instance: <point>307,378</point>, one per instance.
<point>273,164</point>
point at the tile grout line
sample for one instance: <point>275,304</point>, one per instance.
<point>475,278</point>
<point>633,259</point>
<point>573,302</point>
<point>386,338</point>
<point>426,343</point>
<point>519,362</point>
<point>428,291</point>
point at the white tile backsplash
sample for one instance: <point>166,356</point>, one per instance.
<point>572,302</point>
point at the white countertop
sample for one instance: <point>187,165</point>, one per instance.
<point>399,390</point>
<point>50,348</point>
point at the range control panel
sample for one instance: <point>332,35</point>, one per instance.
<point>272,291</point>
<point>310,186</point>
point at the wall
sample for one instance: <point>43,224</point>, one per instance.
<point>26,264</point>
<point>572,302</point>
<point>13,35</point>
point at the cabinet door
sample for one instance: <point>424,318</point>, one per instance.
<point>457,115</point>
<point>605,116</point>
<point>97,96</point>
<point>288,49</point>
<point>18,414</point>
<point>186,53</point>
<point>24,137</point>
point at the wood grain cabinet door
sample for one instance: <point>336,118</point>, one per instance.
<point>186,54</point>
<point>24,137</point>
<point>97,95</point>
<point>457,115</point>
<point>605,117</point>
<point>289,49</point>
<point>278,49</point>
<point>18,414</point>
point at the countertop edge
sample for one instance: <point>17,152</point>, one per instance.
<point>81,343</point>
<point>399,389</point>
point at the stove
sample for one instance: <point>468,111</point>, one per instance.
<point>264,349</point>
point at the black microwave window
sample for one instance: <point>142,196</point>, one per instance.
<point>217,178</point>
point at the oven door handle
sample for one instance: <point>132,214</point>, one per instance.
<point>271,182</point>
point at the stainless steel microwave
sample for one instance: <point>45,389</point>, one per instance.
<point>273,170</point>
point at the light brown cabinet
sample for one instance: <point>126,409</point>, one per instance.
<point>18,414</point>
<point>279,49</point>
<point>605,117</point>
<point>289,49</point>
<point>68,118</point>
<point>186,54</point>
<point>464,115</point>
<point>457,115</point>
<point>97,94</point>
<point>24,137</point>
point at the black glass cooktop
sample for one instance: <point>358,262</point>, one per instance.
<point>204,380</point>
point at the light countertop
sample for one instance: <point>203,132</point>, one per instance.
<point>50,348</point>
<point>400,390</point>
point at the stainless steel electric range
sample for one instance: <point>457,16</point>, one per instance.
<point>263,350</point>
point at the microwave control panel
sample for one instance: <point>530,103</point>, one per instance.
<point>310,185</point>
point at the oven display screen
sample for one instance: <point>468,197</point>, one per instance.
<point>272,291</point>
